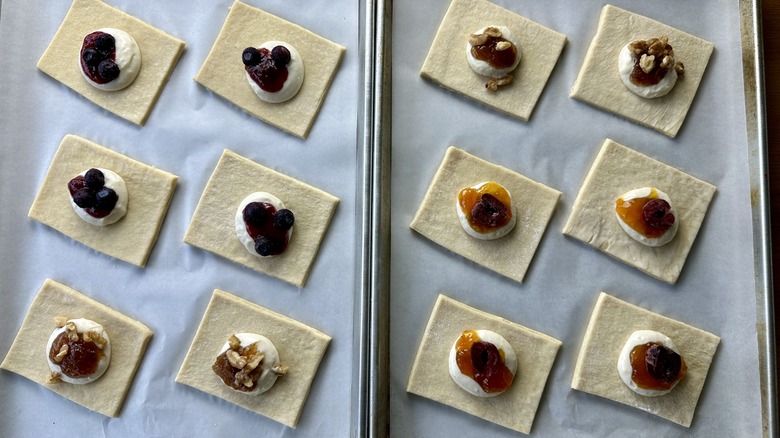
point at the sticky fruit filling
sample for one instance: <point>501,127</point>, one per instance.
<point>98,57</point>
<point>268,227</point>
<point>89,192</point>
<point>483,362</point>
<point>656,367</point>
<point>268,69</point>
<point>487,207</point>
<point>81,358</point>
<point>649,216</point>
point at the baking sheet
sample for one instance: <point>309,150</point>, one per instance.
<point>185,135</point>
<point>716,291</point>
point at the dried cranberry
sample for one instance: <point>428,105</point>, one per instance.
<point>657,213</point>
<point>280,55</point>
<point>105,199</point>
<point>663,364</point>
<point>75,184</point>
<point>84,197</point>
<point>489,212</point>
<point>251,56</point>
<point>255,214</point>
<point>108,70</point>
<point>94,179</point>
<point>266,246</point>
<point>284,219</point>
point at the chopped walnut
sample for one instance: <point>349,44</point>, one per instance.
<point>679,68</point>
<point>280,370</point>
<point>254,361</point>
<point>53,378</point>
<point>477,40</point>
<point>235,359</point>
<point>234,342</point>
<point>494,83</point>
<point>61,354</point>
<point>652,50</point>
<point>70,330</point>
<point>647,63</point>
<point>96,337</point>
<point>503,45</point>
<point>60,321</point>
<point>492,32</point>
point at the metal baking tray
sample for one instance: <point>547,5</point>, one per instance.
<point>425,120</point>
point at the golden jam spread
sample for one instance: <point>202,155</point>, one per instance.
<point>656,367</point>
<point>499,59</point>
<point>82,358</point>
<point>483,362</point>
<point>469,197</point>
<point>631,213</point>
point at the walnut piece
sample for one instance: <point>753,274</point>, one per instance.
<point>494,83</point>
<point>61,354</point>
<point>503,45</point>
<point>492,32</point>
<point>280,370</point>
<point>647,63</point>
<point>53,378</point>
<point>60,321</point>
<point>70,330</point>
<point>234,342</point>
<point>235,359</point>
<point>96,337</point>
<point>477,40</point>
<point>650,51</point>
<point>679,68</point>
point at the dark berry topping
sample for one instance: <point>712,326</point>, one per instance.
<point>485,357</point>
<point>281,56</point>
<point>75,184</point>
<point>251,56</point>
<point>267,74</point>
<point>94,179</point>
<point>657,213</point>
<point>489,212</point>
<point>105,42</point>
<point>91,57</point>
<point>108,70</point>
<point>284,219</point>
<point>663,363</point>
<point>266,246</point>
<point>255,214</point>
<point>84,197</point>
<point>105,199</point>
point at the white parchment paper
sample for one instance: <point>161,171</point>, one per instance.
<point>716,291</point>
<point>185,135</point>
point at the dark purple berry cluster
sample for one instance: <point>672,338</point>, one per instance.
<point>268,227</point>
<point>98,55</point>
<point>89,192</point>
<point>267,68</point>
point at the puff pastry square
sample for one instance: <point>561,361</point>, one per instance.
<point>599,83</point>
<point>27,356</point>
<point>611,324</point>
<point>437,217</point>
<point>149,191</point>
<point>223,72</point>
<point>213,225</point>
<point>431,379</point>
<point>159,54</point>
<point>300,347</point>
<point>618,169</point>
<point>447,66</point>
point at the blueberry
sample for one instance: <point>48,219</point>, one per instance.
<point>104,42</point>
<point>280,55</point>
<point>105,199</point>
<point>84,197</point>
<point>251,56</point>
<point>91,57</point>
<point>265,246</point>
<point>108,70</point>
<point>255,214</point>
<point>94,179</point>
<point>284,219</point>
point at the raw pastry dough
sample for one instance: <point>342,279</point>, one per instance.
<point>159,54</point>
<point>446,62</point>
<point>437,217</point>
<point>213,225</point>
<point>611,324</point>
<point>27,356</point>
<point>618,169</point>
<point>223,72</point>
<point>514,408</point>
<point>599,83</point>
<point>300,347</point>
<point>150,191</point>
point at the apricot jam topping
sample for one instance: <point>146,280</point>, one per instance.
<point>488,52</point>
<point>655,366</point>
<point>81,358</point>
<point>649,216</point>
<point>487,207</point>
<point>483,362</point>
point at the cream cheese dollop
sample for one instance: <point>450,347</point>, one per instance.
<point>483,68</point>
<point>82,325</point>
<point>490,235</point>
<point>112,181</point>
<point>295,74</point>
<point>240,226</point>
<point>270,360</point>
<point>665,238</point>
<point>128,58</point>
<point>467,383</point>
<point>641,337</point>
<point>626,62</point>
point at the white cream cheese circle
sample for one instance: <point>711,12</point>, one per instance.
<point>82,325</point>
<point>490,235</point>
<point>270,360</point>
<point>117,184</point>
<point>128,58</point>
<point>295,73</point>
<point>240,226</point>
<point>483,68</point>
<point>641,337</point>
<point>467,383</point>
<point>663,239</point>
<point>626,62</point>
